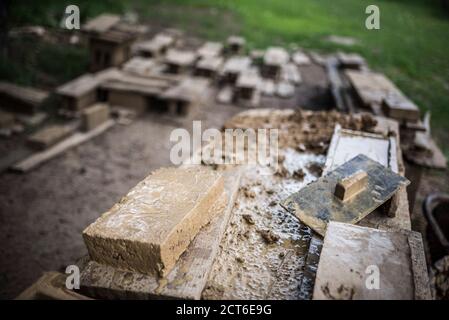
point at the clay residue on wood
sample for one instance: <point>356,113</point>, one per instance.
<point>264,247</point>
<point>248,218</point>
<point>315,168</point>
<point>299,174</point>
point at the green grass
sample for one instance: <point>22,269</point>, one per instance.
<point>412,46</point>
<point>42,64</point>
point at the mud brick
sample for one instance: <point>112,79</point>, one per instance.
<point>154,223</point>
<point>400,108</point>
<point>49,136</point>
<point>95,115</point>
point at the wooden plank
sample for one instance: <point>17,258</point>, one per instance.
<point>78,138</point>
<point>189,276</point>
<point>101,23</point>
<point>400,108</point>
<point>310,267</point>
<point>346,144</point>
<point>397,255</point>
<point>51,286</point>
<point>371,88</point>
<point>376,219</point>
<point>351,60</point>
<point>337,86</point>
<point>21,99</point>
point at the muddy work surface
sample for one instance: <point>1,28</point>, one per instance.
<point>264,248</point>
<point>264,251</point>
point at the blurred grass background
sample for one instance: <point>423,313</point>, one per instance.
<point>411,47</point>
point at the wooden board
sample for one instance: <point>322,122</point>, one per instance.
<point>398,255</point>
<point>51,286</point>
<point>400,108</point>
<point>339,86</point>
<point>76,139</point>
<point>27,95</point>
<point>189,276</point>
<point>346,144</point>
